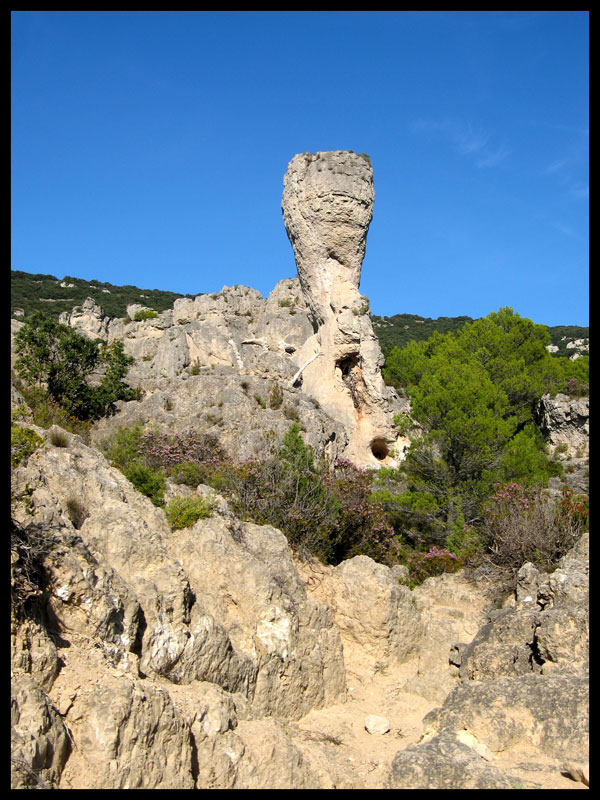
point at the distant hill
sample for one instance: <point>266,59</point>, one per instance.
<point>38,292</point>
<point>46,293</point>
<point>397,331</point>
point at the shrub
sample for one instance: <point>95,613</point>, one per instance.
<point>189,473</point>
<point>434,562</point>
<point>164,450</point>
<point>59,438</point>
<point>140,316</point>
<point>62,360</point>
<point>183,512</point>
<point>149,482</point>
<point>276,397</point>
<point>47,412</point>
<point>29,546</point>
<point>123,449</point>
<point>523,524</point>
<point>291,412</point>
<point>23,442</point>
<point>77,512</point>
<point>260,401</point>
<point>287,303</point>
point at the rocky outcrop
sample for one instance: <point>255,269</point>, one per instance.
<point>208,657</point>
<point>375,613</point>
<point>327,207</point>
<point>88,319</point>
<point>523,687</point>
<point>307,352</point>
<point>564,421</point>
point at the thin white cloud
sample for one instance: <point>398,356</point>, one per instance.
<point>492,159</point>
<point>464,138</point>
<point>570,170</point>
<point>567,230</point>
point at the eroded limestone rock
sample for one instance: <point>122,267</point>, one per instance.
<point>327,208</point>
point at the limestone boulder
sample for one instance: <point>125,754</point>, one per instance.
<point>445,762</point>
<point>549,713</point>
<point>243,575</point>
<point>88,319</point>
<point>564,421</point>
<point>374,612</point>
<point>129,735</point>
<point>40,743</point>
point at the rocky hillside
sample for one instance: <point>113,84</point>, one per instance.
<point>54,296</point>
<point>213,655</point>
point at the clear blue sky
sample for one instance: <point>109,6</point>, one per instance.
<point>149,148</point>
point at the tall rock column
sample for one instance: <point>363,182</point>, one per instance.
<point>327,208</point>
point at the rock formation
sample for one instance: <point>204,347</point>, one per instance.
<point>209,657</point>
<point>564,421</point>
<point>213,656</point>
<point>327,207</point>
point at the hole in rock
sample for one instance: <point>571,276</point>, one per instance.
<point>379,449</point>
<point>347,364</point>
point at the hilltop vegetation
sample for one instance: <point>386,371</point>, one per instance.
<point>37,292</point>
<point>400,329</point>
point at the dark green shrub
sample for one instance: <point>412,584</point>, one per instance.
<point>189,473</point>
<point>58,357</point>
<point>150,483</point>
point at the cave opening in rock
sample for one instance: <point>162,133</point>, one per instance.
<point>347,364</point>
<point>379,449</point>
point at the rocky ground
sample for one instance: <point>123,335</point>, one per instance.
<point>211,657</point>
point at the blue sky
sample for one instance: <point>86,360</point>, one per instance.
<point>149,148</point>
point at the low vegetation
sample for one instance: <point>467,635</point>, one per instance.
<point>472,486</point>
<point>183,512</point>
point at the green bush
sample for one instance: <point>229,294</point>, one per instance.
<point>123,449</point>
<point>140,316</point>
<point>23,442</point>
<point>474,393</point>
<point>183,512</point>
<point>58,358</point>
<point>149,482</point>
<point>189,473</point>
<point>46,412</point>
